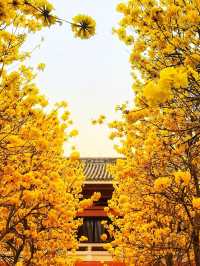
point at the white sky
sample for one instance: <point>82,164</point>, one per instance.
<point>92,76</point>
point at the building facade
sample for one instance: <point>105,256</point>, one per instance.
<point>98,179</point>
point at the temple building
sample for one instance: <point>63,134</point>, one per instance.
<point>98,179</point>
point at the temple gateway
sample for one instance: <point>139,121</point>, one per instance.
<point>98,179</point>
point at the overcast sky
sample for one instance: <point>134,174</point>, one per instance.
<point>92,76</point>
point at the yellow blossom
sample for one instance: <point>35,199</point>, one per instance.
<point>182,177</point>
<point>96,196</point>
<point>41,66</point>
<point>196,203</point>
<point>104,237</point>
<point>73,133</point>
<point>123,199</point>
<point>83,26</point>
<point>156,92</point>
<point>83,239</point>
<point>162,183</point>
<point>75,155</point>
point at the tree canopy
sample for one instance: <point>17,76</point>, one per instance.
<point>157,188</point>
<point>40,188</point>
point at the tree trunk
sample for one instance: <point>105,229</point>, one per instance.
<point>169,260</point>
<point>196,246</point>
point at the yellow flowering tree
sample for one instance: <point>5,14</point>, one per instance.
<point>157,188</point>
<point>39,187</point>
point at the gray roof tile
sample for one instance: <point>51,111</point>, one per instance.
<point>95,168</point>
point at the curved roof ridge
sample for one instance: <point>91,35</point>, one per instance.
<point>95,169</point>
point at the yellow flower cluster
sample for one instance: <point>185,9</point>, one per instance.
<point>161,91</point>
<point>177,77</point>
<point>104,237</point>
<point>182,177</point>
<point>123,199</point>
<point>83,239</point>
<point>73,133</point>
<point>41,66</point>
<point>157,92</point>
<point>100,120</point>
<point>83,26</point>
<point>196,203</point>
<point>75,155</point>
<point>162,183</point>
<point>96,196</point>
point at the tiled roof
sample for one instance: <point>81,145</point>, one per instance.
<point>95,168</point>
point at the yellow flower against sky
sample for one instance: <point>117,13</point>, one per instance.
<point>83,26</point>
